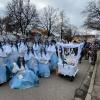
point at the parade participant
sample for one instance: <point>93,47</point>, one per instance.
<point>3,69</point>
<point>92,54</point>
<point>31,61</point>
<point>66,52</point>
<point>36,47</point>
<point>46,44</point>
<point>43,60</point>
<point>22,76</point>
<point>22,47</point>
<point>8,50</point>
<point>84,51</point>
<point>75,49</point>
<point>60,55</point>
<point>14,55</point>
<point>54,58</point>
<point>7,47</point>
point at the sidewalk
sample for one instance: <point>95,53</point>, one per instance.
<point>96,88</point>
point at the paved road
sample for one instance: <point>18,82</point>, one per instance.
<point>53,88</point>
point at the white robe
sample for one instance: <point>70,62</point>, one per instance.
<point>2,53</point>
<point>7,49</point>
<point>22,47</point>
<point>36,48</point>
<point>28,56</point>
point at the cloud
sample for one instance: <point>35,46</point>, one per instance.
<point>39,3</point>
<point>3,5</point>
<point>72,8</point>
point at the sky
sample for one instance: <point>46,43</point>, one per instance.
<point>72,8</point>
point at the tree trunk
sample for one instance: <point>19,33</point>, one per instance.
<point>49,33</point>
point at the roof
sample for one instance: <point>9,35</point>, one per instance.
<point>41,31</point>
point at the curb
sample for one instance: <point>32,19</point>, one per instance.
<point>84,92</point>
<point>89,94</point>
<point>81,92</point>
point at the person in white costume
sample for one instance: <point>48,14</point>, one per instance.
<point>14,55</point>
<point>3,68</point>
<point>8,50</point>
<point>43,60</point>
<point>22,47</point>
<point>23,77</point>
<point>36,47</point>
<point>31,61</point>
<point>52,52</point>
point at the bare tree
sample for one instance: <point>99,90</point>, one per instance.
<point>64,28</point>
<point>22,14</point>
<point>63,23</point>
<point>74,30</point>
<point>48,19</point>
<point>92,12</point>
<point>2,26</point>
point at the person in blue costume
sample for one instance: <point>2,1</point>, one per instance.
<point>3,69</point>
<point>54,58</point>
<point>23,77</point>
<point>8,50</point>
<point>43,44</point>
<point>43,60</point>
<point>14,55</point>
<point>36,47</point>
<point>22,46</point>
<point>46,44</point>
<point>31,61</point>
